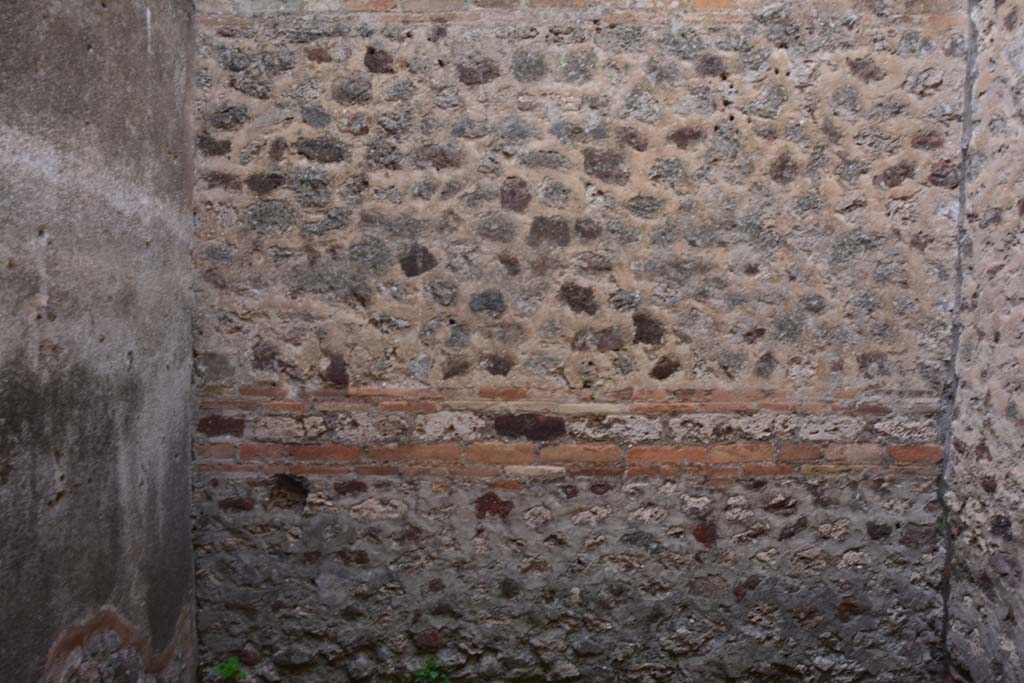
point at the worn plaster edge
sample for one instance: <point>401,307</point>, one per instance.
<point>952,390</point>
<point>109,619</point>
<point>32,160</point>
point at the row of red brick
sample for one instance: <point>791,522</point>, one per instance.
<point>506,453</point>
<point>277,399</point>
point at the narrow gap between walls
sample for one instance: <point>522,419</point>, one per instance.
<point>952,376</point>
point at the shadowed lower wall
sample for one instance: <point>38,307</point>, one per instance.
<point>95,197</point>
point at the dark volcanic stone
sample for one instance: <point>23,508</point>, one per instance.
<point>515,194</point>
<point>315,116</point>
<point>264,183</point>
<point>894,175</point>
<point>494,226</point>
<point>448,155</point>
<point>378,61</point>
<point>336,371</point>
<point>549,230</point>
<point>708,64</point>
<point>579,298</point>
<point>607,165</point>
<point>498,364</point>
<point>685,136</point>
<point>532,426</point>
<point>609,339</point>
<point>488,301</point>
<point>633,138</point>
<point>765,365</point>
<point>476,69</point>
<point>270,216</point>
<point>647,329</point>
<point>944,174</point>
<point>326,150</point>
<point>665,367</point>
<point>643,206</point>
<point>865,69</point>
<point>784,169</point>
<point>491,504</point>
<point>229,118</point>
<point>212,147</point>
<point>455,367</point>
<point>588,228</point>
<point>355,89</point>
<point>345,488</point>
<point>417,261</point>
<point>528,67</point>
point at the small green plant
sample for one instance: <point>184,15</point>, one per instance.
<point>434,671</point>
<point>229,671</point>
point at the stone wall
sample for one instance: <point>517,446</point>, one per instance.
<point>985,479</point>
<point>95,198</point>
<point>607,343</point>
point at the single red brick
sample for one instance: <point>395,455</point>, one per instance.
<point>246,468</point>
<point>507,484</point>
<point>265,452</point>
<point>741,452</point>
<point>263,390</point>
<point>407,407</point>
<point>855,453</point>
<point>492,452</point>
<point>376,470</point>
<point>326,452</point>
<point>219,425</point>
<point>870,409</point>
<point>916,454</point>
<point>394,392</point>
<point>325,470</point>
<point>343,407</point>
<point>667,454</point>
<point>734,395</point>
<point>285,407</point>
<point>229,405</point>
<point>505,393</point>
<point>733,407</point>
<point>579,452</point>
<point>475,471</point>
<point>797,452</point>
<point>215,451</point>
<point>417,452</point>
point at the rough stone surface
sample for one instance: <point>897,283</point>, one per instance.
<point>985,489</point>
<point>645,327</point>
<point>573,578</point>
<point>95,204</point>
